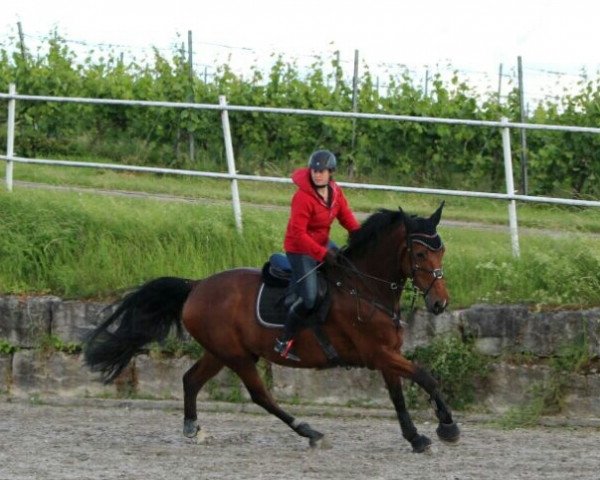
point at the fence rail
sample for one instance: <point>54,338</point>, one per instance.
<point>299,111</point>
<point>504,125</point>
<point>256,178</point>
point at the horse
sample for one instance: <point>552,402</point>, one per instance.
<point>363,323</point>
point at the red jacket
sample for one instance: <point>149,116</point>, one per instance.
<point>310,220</point>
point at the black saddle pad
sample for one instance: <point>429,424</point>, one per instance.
<point>271,306</point>
<point>273,302</point>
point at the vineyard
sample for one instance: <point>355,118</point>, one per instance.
<point>459,157</point>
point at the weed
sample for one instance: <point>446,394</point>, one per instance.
<point>415,396</point>
<point>523,416</point>
<point>573,357</point>
<point>192,349</point>
<point>456,364</point>
<point>227,389</point>
<point>521,358</point>
<point>547,396</point>
<point>7,348</point>
<point>173,347</point>
<point>265,372</point>
<point>51,343</point>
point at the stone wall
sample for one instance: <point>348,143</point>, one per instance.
<point>501,332</point>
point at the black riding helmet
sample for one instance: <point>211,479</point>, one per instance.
<point>322,160</point>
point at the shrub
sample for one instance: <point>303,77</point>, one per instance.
<point>456,364</point>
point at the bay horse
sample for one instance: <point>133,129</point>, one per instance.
<point>362,325</point>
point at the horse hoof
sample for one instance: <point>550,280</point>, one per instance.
<point>448,432</point>
<point>421,444</point>
<point>321,442</point>
<point>190,428</point>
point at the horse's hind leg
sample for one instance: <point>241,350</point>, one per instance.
<point>246,370</point>
<point>193,380</point>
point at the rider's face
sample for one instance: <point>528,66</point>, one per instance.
<point>320,177</point>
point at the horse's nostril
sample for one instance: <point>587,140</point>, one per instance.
<point>436,306</point>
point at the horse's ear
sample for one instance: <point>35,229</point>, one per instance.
<point>437,215</point>
<point>407,220</point>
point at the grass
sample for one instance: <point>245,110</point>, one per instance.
<point>82,245</point>
<point>550,271</point>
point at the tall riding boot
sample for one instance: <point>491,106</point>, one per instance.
<point>294,320</point>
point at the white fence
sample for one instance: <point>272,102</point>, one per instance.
<point>504,125</point>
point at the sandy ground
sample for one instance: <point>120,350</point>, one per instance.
<point>112,441</point>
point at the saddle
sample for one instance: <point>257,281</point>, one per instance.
<point>275,295</point>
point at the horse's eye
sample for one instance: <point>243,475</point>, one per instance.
<point>421,255</point>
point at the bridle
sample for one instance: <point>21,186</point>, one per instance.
<point>426,240</point>
<point>396,287</point>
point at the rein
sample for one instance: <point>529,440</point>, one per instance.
<point>393,312</point>
<point>395,287</point>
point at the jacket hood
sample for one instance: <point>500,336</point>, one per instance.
<point>301,178</point>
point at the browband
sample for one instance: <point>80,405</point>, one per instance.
<point>432,242</point>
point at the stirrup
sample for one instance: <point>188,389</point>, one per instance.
<point>283,349</point>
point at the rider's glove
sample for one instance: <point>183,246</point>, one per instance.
<point>331,257</point>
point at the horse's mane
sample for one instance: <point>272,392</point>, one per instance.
<point>361,241</point>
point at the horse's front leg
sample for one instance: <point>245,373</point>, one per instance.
<point>420,443</point>
<point>396,365</point>
<point>447,429</point>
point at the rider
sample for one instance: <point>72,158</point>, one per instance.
<point>315,205</point>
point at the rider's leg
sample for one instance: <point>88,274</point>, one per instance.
<point>295,316</point>
<point>304,282</point>
<point>304,278</point>
<point>293,322</point>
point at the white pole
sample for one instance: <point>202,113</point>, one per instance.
<point>510,189</point>
<point>235,194</point>
<point>10,137</point>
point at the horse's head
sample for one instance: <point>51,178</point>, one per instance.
<point>423,259</point>
<point>391,246</point>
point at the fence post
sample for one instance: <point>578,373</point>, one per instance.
<point>510,189</point>
<point>235,194</point>
<point>10,137</point>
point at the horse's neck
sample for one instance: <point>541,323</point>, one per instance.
<point>376,268</point>
<point>383,263</point>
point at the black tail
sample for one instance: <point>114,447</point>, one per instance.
<point>144,316</point>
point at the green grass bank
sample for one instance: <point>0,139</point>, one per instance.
<point>83,245</point>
